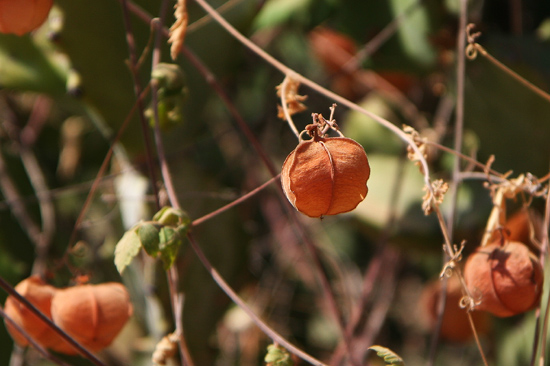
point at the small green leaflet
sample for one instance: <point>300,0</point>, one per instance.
<point>390,357</point>
<point>277,356</point>
<point>149,237</point>
<point>126,249</point>
<point>161,237</point>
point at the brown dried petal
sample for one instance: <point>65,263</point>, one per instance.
<point>326,177</point>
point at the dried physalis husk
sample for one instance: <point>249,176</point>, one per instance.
<point>455,326</point>
<point>20,17</point>
<point>504,280</point>
<point>326,176</point>
<point>92,314</point>
<point>40,295</point>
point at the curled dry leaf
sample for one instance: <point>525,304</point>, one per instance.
<point>291,97</point>
<point>526,226</point>
<point>504,280</point>
<point>178,29</point>
<point>420,142</point>
<point>434,196</point>
<point>165,349</point>
<point>92,314</point>
<point>23,16</point>
<point>326,176</point>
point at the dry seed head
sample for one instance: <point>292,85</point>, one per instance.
<point>40,295</point>
<point>326,176</point>
<point>504,280</point>
<point>92,314</point>
<point>455,326</point>
<point>20,17</point>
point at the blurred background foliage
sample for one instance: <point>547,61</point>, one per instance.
<point>66,89</point>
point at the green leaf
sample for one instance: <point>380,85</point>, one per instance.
<point>126,249</point>
<point>276,12</point>
<point>390,357</point>
<point>170,216</point>
<point>170,78</point>
<point>149,237</point>
<point>277,356</point>
<point>170,241</point>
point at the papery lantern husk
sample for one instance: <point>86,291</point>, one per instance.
<point>38,293</point>
<point>504,280</point>
<point>455,325</point>
<point>92,314</point>
<point>525,226</point>
<point>326,176</point>
<point>23,16</point>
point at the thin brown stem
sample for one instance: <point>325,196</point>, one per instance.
<point>18,209</point>
<point>381,37</point>
<point>276,337</point>
<point>234,203</point>
<point>474,48</point>
<point>102,170</point>
<point>250,136</point>
<point>201,22</point>
<point>29,339</point>
<point>453,194</point>
<point>45,203</point>
<point>465,158</point>
<point>138,89</point>
<point>476,337</point>
<point>544,327</point>
<point>289,72</point>
<point>313,85</point>
<point>172,273</point>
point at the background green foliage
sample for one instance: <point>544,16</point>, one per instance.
<point>80,66</point>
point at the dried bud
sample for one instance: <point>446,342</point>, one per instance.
<point>326,176</point>
<point>92,314</point>
<point>22,16</point>
<point>504,280</point>
<point>40,295</point>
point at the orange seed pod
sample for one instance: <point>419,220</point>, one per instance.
<point>326,176</point>
<point>505,280</point>
<point>455,326</point>
<point>92,314</point>
<point>22,16</point>
<point>40,295</point>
